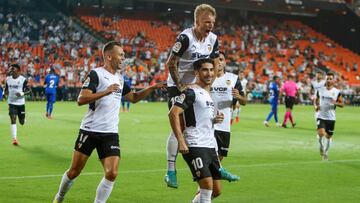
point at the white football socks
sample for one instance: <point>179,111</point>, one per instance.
<point>320,139</point>
<point>328,142</point>
<point>65,185</point>
<point>205,196</point>
<point>13,131</point>
<point>103,191</point>
<point>172,151</point>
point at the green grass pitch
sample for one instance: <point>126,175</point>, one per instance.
<point>275,164</point>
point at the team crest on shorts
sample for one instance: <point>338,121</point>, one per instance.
<point>176,48</point>
<point>198,173</point>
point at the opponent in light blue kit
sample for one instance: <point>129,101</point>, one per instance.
<point>273,99</point>
<point>51,82</point>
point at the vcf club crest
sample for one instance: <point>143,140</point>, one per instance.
<point>209,47</point>
<point>228,82</point>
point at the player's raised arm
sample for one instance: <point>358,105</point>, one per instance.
<point>134,97</point>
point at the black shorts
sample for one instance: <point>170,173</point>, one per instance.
<point>106,144</point>
<point>223,142</point>
<point>203,163</point>
<point>289,102</point>
<point>17,110</point>
<point>328,125</point>
<point>172,93</point>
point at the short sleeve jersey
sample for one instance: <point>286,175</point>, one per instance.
<point>51,82</point>
<point>14,86</point>
<point>103,114</point>
<point>199,113</point>
<point>327,108</point>
<point>317,85</point>
<point>189,49</point>
<point>273,93</point>
<point>221,93</point>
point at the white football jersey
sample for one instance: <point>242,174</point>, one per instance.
<point>221,93</point>
<point>327,108</point>
<point>317,85</point>
<point>189,49</point>
<point>199,113</point>
<point>103,114</point>
<point>16,86</point>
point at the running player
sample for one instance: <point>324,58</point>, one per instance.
<point>15,89</point>
<point>274,101</point>
<point>236,107</point>
<point>327,99</point>
<point>102,90</point>
<point>191,44</point>
<point>51,82</point>
<point>316,84</point>
<point>225,90</point>
<point>197,143</point>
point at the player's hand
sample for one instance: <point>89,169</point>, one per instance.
<point>219,118</point>
<point>112,88</point>
<point>183,148</point>
<point>235,93</point>
<point>19,94</point>
<point>161,85</point>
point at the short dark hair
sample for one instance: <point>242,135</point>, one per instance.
<point>15,65</point>
<point>197,64</point>
<point>221,52</point>
<point>110,45</point>
<point>330,74</point>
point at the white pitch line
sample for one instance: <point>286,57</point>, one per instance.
<point>183,169</point>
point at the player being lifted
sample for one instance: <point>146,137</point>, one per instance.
<point>191,44</point>
<point>327,99</point>
<point>197,143</point>
<point>15,88</point>
<point>225,91</point>
<point>51,82</point>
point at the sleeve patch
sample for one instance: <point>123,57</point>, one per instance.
<point>86,82</point>
<point>177,46</point>
<point>180,99</point>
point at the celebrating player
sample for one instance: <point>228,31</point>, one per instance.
<point>327,99</point>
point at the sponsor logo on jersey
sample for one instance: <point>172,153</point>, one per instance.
<point>198,55</point>
<point>177,46</point>
<point>218,89</point>
<point>209,103</point>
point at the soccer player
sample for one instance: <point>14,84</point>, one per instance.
<point>225,90</point>
<point>236,107</point>
<point>102,90</point>
<point>327,99</point>
<point>191,44</point>
<point>291,94</point>
<point>273,100</point>
<point>315,86</point>
<point>15,89</point>
<point>128,81</point>
<point>197,143</point>
<point>51,82</point>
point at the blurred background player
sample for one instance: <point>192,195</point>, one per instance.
<point>128,81</point>
<point>327,99</point>
<point>316,84</point>
<point>236,107</point>
<point>291,94</point>
<point>274,88</point>
<point>16,88</point>
<point>225,90</point>
<point>191,44</point>
<point>197,143</point>
<point>51,82</point>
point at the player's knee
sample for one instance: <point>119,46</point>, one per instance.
<point>73,173</point>
<point>111,175</point>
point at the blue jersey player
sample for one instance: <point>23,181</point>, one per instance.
<point>128,81</point>
<point>273,99</point>
<point>51,82</point>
